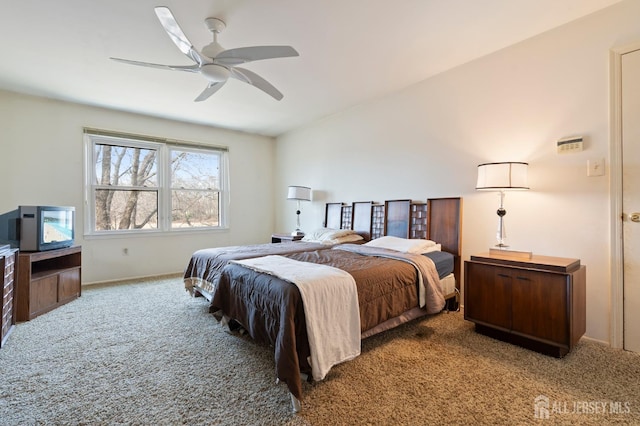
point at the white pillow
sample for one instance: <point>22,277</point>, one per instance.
<point>326,234</point>
<point>417,246</point>
<point>316,235</point>
<point>437,247</point>
<point>351,238</point>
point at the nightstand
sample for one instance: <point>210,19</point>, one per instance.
<point>538,303</point>
<point>280,238</point>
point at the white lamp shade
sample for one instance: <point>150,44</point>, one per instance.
<point>502,176</point>
<point>299,193</point>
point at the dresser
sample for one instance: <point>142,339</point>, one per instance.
<point>538,303</point>
<point>47,280</point>
<point>8,310</point>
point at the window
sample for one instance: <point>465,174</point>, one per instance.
<point>138,184</point>
<point>195,183</point>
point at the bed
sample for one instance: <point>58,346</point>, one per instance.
<point>272,311</point>
<point>203,270</point>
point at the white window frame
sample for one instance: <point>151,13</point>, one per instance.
<point>163,147</point>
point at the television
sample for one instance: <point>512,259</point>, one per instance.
<point>43,228</point>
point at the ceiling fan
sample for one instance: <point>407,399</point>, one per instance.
<point>214,62</point>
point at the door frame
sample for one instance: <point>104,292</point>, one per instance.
<point>616,338</point>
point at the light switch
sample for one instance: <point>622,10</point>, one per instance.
<point>595,167</point>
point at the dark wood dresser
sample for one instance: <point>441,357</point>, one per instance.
<point>8,309</point>
<point>46,280</point>
<point>538,303</point>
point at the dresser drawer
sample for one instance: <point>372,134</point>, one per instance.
<point>7,311</point>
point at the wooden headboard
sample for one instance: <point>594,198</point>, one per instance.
<point>356,216</point>
<point>333,215</point>
<point>397,218</point>
<point>439,219</point>
<point>361,218</point>
<point>444,226</point>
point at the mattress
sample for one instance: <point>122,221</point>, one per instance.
<point>443,261</point>
<point>448,285</point>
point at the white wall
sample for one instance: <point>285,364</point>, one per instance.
<point>41,162</point>
<point>513,105</point>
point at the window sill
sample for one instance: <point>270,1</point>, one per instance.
<point>150,234</point>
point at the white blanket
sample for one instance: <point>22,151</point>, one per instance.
<point>331,308</point>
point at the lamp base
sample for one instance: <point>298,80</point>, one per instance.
<point>297,233</point>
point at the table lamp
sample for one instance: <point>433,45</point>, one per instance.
<point>502,177</point>
<point>298,193</point>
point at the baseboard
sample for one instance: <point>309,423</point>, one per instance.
<point>133,279</point>
<point>601,342</point>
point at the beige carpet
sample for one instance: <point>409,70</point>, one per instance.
<point>147,353</point>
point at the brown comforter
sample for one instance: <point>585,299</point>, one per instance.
<point>203,271</point>
<point>271,309</point>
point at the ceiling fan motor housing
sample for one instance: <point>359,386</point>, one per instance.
<point>215,73</point>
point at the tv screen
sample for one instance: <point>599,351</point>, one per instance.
<point>57,225</point>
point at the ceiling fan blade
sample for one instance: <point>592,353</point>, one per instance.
<point>254,79</point>
<point>189,68</point>
<point>210,90</point>
<point>176,34</point>
<point>242,55</point>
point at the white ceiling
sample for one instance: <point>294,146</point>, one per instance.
<point>351,51</point>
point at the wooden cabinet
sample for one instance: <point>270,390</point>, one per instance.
<point>8,308</point>
<point>538,303</point>
<point>46,280</point>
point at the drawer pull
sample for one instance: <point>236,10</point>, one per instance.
<point>524,278</point>
<point>504,275</point>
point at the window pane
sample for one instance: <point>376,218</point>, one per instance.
<point>190,209</point>
<point>120,209</point>
<point>195,170</point>
<point>126,166</point>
